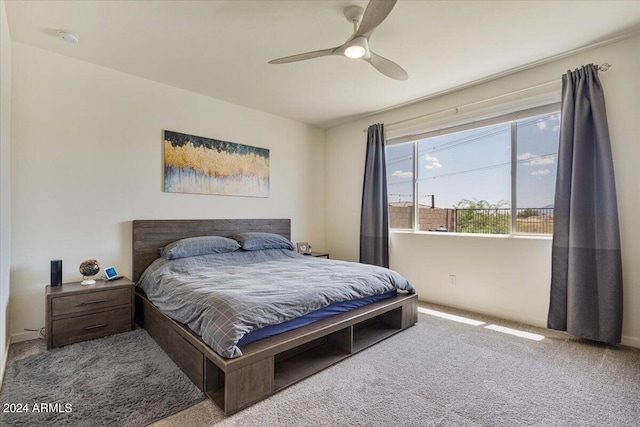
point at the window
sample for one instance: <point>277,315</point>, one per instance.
<point>536,164</point>
<point>492,179</point>
<point>400,185</point>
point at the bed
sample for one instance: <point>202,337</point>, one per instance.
<point>249,372</point>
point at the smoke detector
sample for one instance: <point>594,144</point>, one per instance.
<point>68,36</point>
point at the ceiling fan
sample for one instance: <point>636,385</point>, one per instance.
<point>357,46</point>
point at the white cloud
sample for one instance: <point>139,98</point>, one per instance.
<point>541,125</point>
<point>556,128</point>
<point>540,161</point>
<point>541,172</point>
<point>534,160</point>
<point>432,162</point>
<point>401,174</point>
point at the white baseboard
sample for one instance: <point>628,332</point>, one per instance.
<point>3,361</point>
<point>631,341</point>
<point>25,336</point>
<point>541,323</point>
<point>515,317</point>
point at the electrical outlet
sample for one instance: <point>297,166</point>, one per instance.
<point>452,279</point>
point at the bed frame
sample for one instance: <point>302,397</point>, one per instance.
<point>271,364</point>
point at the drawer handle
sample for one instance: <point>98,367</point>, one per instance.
<point>101,325</point>
<point>93,302</point>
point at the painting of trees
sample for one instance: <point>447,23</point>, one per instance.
<point>194,164</point>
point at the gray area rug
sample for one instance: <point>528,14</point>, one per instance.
<point>121,380</point>
<point>445,373</point>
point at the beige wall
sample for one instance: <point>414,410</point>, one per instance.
<point>87,159</point>
<point>505,276</point>
<point>5,182</point>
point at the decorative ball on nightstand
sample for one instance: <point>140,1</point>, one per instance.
<point>88,268</point>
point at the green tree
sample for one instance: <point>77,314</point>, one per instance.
<point>480,216</point>
<point>528,213</point>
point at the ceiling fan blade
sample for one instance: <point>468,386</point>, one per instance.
<point>376,12</point>
<point>387,67</point>
<point>303,56</point>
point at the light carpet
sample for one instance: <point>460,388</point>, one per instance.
<point>121,380</point>
<point>442,372</point>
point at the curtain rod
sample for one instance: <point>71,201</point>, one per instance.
<point>602,67</point>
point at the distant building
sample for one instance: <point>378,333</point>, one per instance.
<point>488,220</point>
<point>430,219</point>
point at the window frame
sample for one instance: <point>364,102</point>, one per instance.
<point>510,118</point>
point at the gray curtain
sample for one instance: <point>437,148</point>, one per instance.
<point>374,217</point>
<point>586,271</point>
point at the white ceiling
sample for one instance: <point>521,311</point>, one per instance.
<point>221,48</point>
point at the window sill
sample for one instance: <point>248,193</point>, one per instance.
<point>491,236</point>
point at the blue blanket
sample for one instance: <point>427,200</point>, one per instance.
<point>222,297</point>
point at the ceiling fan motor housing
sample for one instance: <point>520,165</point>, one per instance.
<point>354,13</point>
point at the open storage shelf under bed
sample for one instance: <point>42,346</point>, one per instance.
<point>272,364</point>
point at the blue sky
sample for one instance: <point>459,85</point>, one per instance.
<point>476,164</point>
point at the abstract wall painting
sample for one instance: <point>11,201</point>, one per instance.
<point>193,164</point>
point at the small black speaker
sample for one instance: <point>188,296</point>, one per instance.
<point>56,272</point>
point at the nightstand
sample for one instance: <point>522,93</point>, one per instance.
<point>76,313</point>
<point>320,254</point>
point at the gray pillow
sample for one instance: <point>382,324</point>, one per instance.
<point>195,246</point>
<point>255,241</point>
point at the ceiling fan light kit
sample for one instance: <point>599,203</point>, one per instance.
<point>355,49</point>
<point>357,46</point>
<point>355,52</point>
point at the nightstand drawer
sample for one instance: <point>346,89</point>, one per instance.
<point>80,328</point>
<point>90,301</point>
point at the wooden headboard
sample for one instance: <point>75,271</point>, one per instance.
<point>149,235</point>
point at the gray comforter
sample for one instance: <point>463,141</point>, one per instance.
<point>222,297</point>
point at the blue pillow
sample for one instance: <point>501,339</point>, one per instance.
<point>256,241</point>
<point>194,246</point>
